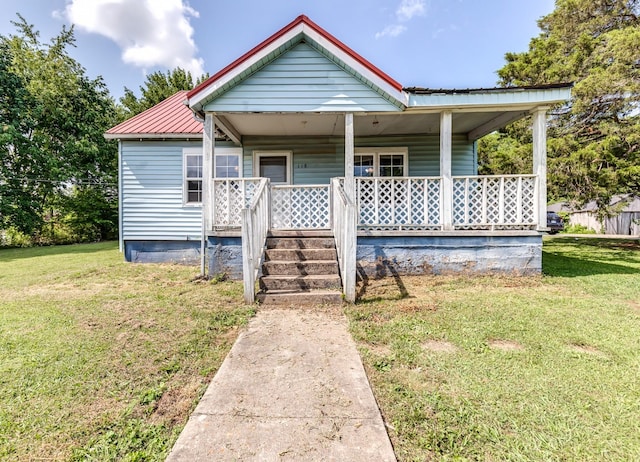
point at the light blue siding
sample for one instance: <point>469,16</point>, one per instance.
<point>316,160</point>
<point>152,204</point>
<point>300,80</point>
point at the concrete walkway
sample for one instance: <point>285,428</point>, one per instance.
<point>292,388</point>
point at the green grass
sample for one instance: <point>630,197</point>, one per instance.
<point>505,368</point>
<point>101,359</point>
<point>104,360</point>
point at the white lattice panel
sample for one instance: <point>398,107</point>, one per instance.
<point>229,197</point>
<point>494,202</point>
<point>300,207</point>
<point>407,203</point>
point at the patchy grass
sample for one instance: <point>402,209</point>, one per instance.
<point>501,368</point>
<point>101,359</point>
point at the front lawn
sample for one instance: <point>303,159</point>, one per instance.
<point>101,359</point>
<point>503,368</point>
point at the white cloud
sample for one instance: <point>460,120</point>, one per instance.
<point>392,30</point>
<point>406,11</point>
<point>410,8</point>
<point>149,32</point>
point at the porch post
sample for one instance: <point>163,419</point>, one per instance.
<point>208,141</point>
<point>349,180</point>
<point>446,195</point>
<point>350,232</point>
<point>540,164</point>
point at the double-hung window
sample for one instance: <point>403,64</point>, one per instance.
<point>386,162</point>
<point>227,164</point>
<point>192,188</point>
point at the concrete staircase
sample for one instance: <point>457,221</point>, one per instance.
<point>300,270</point>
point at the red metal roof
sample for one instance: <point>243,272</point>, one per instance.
<point>170,118</point>
<point>302,19</point>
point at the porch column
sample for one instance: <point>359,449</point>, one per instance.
<point>540,164</point>
<point>349,180</point>
<point>208,142</point>
<point>446,195</point>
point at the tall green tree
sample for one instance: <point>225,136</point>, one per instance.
<point>53,145</point>
<point>594,142</point>
<point>157,87</point>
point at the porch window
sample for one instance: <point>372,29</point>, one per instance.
<point>192,192</point>
<point>388,162</point>
<point>227,164</point>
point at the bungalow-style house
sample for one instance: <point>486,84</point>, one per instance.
<point>302,144</point>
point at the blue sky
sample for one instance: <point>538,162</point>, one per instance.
<point>427,43</point>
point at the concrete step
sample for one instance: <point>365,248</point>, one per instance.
<point>300,254</point>
<point>300,243</point>
<point>300,282</point>
<point>300,297</point>
<point>299,268</point>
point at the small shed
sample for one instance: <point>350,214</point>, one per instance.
<point>625,219</point>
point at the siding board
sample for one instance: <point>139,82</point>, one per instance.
<point>300,80</point>
<point>152,206</point>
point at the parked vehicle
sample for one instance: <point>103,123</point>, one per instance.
<point>554,222</point>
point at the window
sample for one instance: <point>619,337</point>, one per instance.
<point>227,164</point>
<point>369,162</point>
<point>193,177</point>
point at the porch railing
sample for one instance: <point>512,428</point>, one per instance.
<point>495,202</point>
<point>343,224</point>
<point>300,207</point>
<point>230,195</point>
<point>255,225</point>
<point>399,203</point>
<point>413,203</point>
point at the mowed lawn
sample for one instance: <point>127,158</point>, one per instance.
<point>503,368</point>
<point>101,359</point>
<point>104,360</point>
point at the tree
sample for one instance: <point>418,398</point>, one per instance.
<point>53,146</point>
<point>594,142</point>
<point>158,87</point>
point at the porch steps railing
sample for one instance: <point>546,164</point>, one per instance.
<point>344,230</point>
<point>255,226</point>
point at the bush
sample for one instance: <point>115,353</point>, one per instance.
<point>578,229</point>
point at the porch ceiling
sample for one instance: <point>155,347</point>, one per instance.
<point>472,124</point>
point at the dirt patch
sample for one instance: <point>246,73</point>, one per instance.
<point>175,403</point>
<point>379,350</point>
<point>505,345</point>
<point>440,346</point>
<point>635,306</point>
<point>587,349</point>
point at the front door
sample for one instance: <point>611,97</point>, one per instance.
<point>274,165</point>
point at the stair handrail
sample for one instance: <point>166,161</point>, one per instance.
<point>343,225</point>
<point>255,220</point>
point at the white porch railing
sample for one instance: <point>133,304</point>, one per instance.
<point>300,207</point>
<point>230,195</point>
<point>399,203</point>
<point>413,203</point>
<point>343,224</point>
<point>495,202</point>
<point>255,226</point>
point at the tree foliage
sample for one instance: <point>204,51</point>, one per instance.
<point>158,87</point>
<point>53,118</point>
<point>594,142</point>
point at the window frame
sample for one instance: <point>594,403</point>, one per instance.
<point>217,152</point>
<point>377,152</point>
<point>257,155</point>
<point>190,152</point>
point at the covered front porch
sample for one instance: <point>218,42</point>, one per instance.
<point>355,205</point>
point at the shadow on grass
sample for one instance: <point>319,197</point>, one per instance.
<point>575,266</point>
<point>12,254</point>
